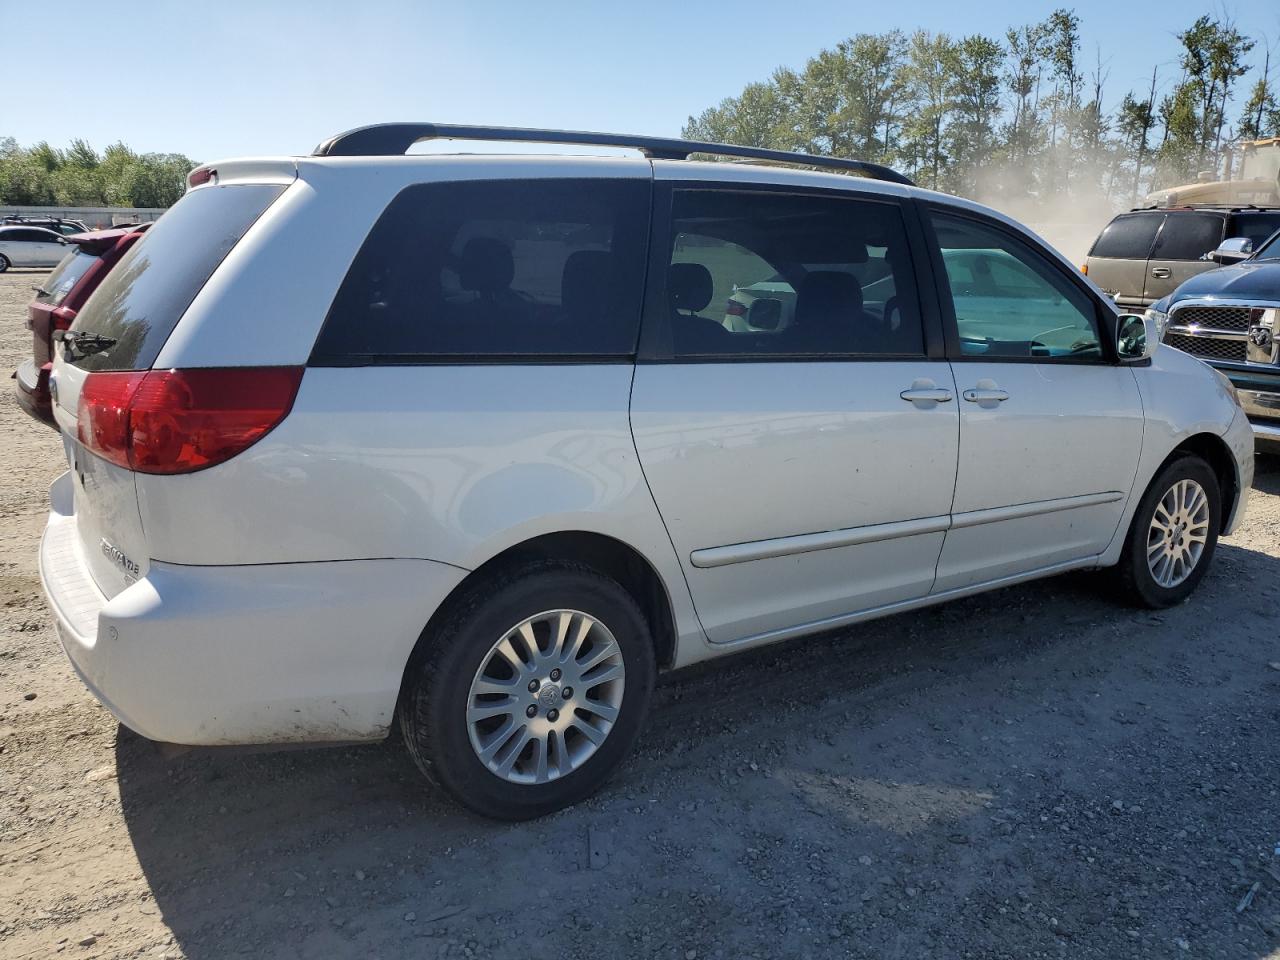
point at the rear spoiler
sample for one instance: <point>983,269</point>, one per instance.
<point>99,241</point>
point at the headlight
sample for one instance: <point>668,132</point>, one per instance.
<point>1160,317</point>
<point>1228,386</point>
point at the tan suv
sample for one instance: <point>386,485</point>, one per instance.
<point>1144,255</point>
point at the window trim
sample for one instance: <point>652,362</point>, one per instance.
<point>656,341</point>
<point>1105,316</point>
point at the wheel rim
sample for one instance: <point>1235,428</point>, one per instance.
<point>1179,533</point>
<point>545,697</point>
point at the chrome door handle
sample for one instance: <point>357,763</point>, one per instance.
<point>1161,273</point>
<point>986,392</point>
<point>926,394</point>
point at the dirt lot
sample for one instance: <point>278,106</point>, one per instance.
<point>1034,773</point>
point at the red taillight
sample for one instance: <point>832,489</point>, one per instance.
<point>63,317</point>
<point>177,421</point>
<point>735,308</point>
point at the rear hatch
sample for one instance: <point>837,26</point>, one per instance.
<point>117,336</point>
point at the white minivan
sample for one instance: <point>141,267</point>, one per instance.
<point>472,444</point>
<point>30,247</point>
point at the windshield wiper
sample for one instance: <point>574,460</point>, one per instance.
<point>84,343</point>
<point>41,290</point>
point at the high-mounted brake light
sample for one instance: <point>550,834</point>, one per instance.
<point>201,175</point>
<point>179,421</point>
<point>735,308</point>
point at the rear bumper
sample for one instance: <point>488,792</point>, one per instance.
<point>271,653</point>
<point>31,387</point>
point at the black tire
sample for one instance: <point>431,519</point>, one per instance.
<point>4,263</point>
<point>433,711</point>
<point>1135,582</point>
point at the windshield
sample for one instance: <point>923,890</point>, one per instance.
<point>1269,250</point>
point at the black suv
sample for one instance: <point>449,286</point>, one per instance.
<point>1144,255</point>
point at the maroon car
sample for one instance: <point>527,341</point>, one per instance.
<point>59,298</point>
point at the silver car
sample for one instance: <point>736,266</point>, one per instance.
<point>462,443</point>
<point>30,247</point>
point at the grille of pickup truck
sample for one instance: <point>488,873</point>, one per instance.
<point>1220,318</point>
<point>1210,348</point>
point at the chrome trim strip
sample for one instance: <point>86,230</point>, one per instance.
<point>1195,330</point>
<point>1266,430</point>
<point>1017,511</point>
<point>844,620</point>
<point>708,557</point>
<point>1265,304</point>
<point>808,542</point>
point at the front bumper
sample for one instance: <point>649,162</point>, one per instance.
<point>1260,399</point>
<point>271,653</point>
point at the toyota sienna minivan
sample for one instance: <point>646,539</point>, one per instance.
<point>465,443</point>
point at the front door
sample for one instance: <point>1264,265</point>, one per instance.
<point>1180,251</point>
<point>1050,426</point>
<point>799,441</point>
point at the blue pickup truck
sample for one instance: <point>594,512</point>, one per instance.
<point>1230,318</point>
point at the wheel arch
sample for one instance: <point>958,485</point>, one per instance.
<point>1212,449</point>
<point>606,554</point>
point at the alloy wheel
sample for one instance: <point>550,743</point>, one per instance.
<point>1178,533</point>
<point>545,697</point>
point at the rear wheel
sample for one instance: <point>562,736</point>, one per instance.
<point>532,690</point>
<point>1173,535</point>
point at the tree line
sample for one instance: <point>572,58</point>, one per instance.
<point>1018,116</point>
<point>79,176</point>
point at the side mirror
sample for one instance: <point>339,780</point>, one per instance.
<point>765,313</point>
<point>1136,337</point>
<point>1233,250</point>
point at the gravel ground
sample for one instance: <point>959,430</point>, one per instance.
<point>1033,773</point>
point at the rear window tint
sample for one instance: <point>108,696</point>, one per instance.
<point>65,276</point>
<point>1255,226</point>
<point>516,268</point>
<point>143,297</point>
<point>1128,237</point>
<point>1188,236</point>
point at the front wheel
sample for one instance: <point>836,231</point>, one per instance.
<point>1173,535</point>
<point>531,691</point>
<point>4,263</point>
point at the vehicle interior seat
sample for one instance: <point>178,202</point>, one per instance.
<point>689,290</point>
<point>486,268</point>
<point>829,317</point>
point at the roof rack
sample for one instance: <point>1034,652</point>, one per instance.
<point>386,139</point>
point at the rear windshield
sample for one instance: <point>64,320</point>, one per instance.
<point>65,276</point>
<point>142,299</point>
<point>1188,236</point>
<point>1128,237</point>
<point>1255,226</point>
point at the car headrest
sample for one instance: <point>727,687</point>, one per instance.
<point>486,265</point>
<point>586,283</point>
<point>828,298</point>
<point>689,286</point>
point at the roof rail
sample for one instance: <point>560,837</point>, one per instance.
<point>385,139</point>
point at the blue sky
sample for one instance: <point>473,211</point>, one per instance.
<point>238,77</point>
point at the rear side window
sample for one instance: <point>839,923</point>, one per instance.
<point>765,275</point>
<point>1188,236</point>
<point>1128,237</point>
<point>495,268</point>
<point>1255,226</point>
<point>65,276</point>
<point>143,297</point>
